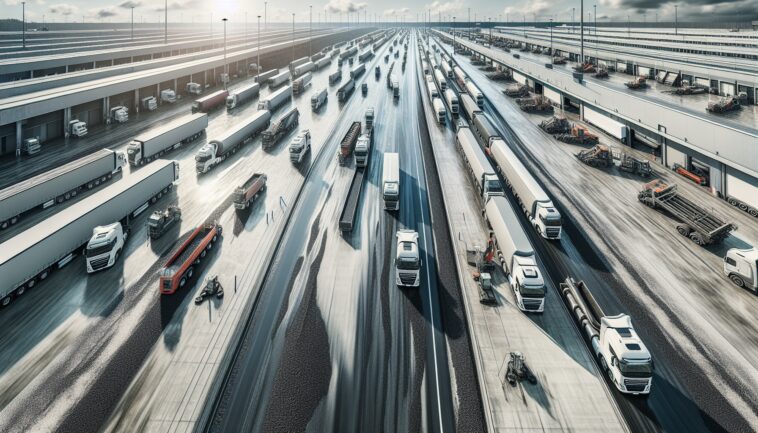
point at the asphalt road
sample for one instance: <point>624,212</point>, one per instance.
<point>333,344</point>
<point>681,400</point>
<point>72,346</point>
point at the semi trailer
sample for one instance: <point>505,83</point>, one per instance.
<point>407,259</point>
<point>440,79</point>
<point>276,99</point>
<point>365,56</point>
<point>245,194</point>
<point>286,123</point>
<point>478,166</point>
<point>263,78</point>
<point>534,201</point>
<point>323,62</point>
<point>279,79</point>
<point>180,268</point>
<point>350,208</point>
<point>698,224</point>
<point>452,102</point>
<point>300,146</point>
<point>357,71</point>
<point>516,255</point>
<point>218,149</point>
<point>348,143</point>
<point>391,181</point>
<point>303,69</point>
<point>469,107</point>
<point>618,348</point>
<point>209,102</point>
<point>475,93</point>
<point>296,63</point>
<point>156,142</point>
<point>242,95</point>
<point>335,77</point>
<point>29,257</point>
<point>318,99</point>
<point>345,90</point>
<point>363,148</point>
<point>440,112</point>
<point>299,85</point>
<point>484,129</point>
<point>58,185</point>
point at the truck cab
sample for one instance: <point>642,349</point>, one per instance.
<point>528,284</point>
<point>491,186</point>
<point>300,146</point>
<point>119,114</point>
<point>407,259</point>
<point>30,146</point>
<point>391,182</point>
<point>362,149</point>
<point>205,158</point>
<point>150,103</point>
<point>168,95</point>
<point>624,356</point>
<point>396,89</point>
<point>104,246</point>
<point>370,118</point>
<point>548,221</point>
<point>741,266</point>
<point>77,128</point>
<point>194,89</point>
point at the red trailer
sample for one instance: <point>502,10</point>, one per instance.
<point>348,143</point>
<point>181,266</point>
<point>209,102</point>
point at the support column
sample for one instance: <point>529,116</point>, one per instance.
<point>18,137</point>
<point>106,109</point>
<point>205,78</point>
<point>66,119</point>
<point>176,90</point>
<point>67,69</point>
<point>136,101</point>
<point>158,93</point>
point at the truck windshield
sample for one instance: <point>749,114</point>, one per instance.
<point>202,158</point>
<point>636,368</point>
<point>494,186</point>
<point>407,264</point>
<point>551,221</point>
<point>532,291</point>
<point>99,249</point>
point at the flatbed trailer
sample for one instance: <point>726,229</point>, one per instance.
<point>349,210</point>
<point>180,268</point>
<point>701,226</point>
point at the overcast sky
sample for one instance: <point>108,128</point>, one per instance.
<point>280,10</point>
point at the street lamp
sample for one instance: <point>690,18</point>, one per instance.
<point>226,71</point>
<point>23,25</point>
<point>165,22</point>
<point>676,19</point>
<point>293,36</point>
<point>453,35</point>
<point>132,23</point>
<point>595,10</point>
<point>265,15</point>
<point>551,37</point>
<point>310,29</point>
<point>581,34</point>
<point>258,64</point>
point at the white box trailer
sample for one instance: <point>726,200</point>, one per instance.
<point>263,78</point>
<point>475,93</point>
<point>479,167</point>
<point>299,85</point>
<point>295,63</point>
<point>516,255</point>
<point>470,107</point>
<point>452,101</point>
<point>242,95</point>
<point>440,79</point>
<point>534,201</point>
<point>323,62</point>
<point>304,68</point>
<point>447,70</point>
<point>276,99</point>
<point>30,256</point>
<point>58,185</point>
<point>279,79</point>
<point>391,181</point>
<point>155,142</point>
<point>616,129</point>
<point>439,110</point>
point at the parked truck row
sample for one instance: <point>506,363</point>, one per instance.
<point>29,257</point>
<point>58,185</point>
<point>223,146</point>
<point>277,130</point>
<point>156,142</point>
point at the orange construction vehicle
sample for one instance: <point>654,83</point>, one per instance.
<point>578,134</point>
<point>599,156</point>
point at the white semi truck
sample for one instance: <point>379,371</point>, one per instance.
<point>77,128</point>
<point>478,166</point>
<point>218,149</point>
<point>452,102</point>
<point>407,259</point>
<point>535,203</point>
<point>276,99</point>
<point>516,255</point>
<point>242,95</point>
<point>303,69</point>
<point>29,257</point>
<point>300,146</point>
<point>741,266</point>
<point>318,99</point>
<point>391,181</point>
<point>58,185</point>
<point>154,143</point>
<point>299,84</point>
<point>440,113</point>
<point>475,93</point>
<point>279,79</point>
<point>440,79</point>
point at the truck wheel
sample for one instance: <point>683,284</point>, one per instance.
<point>73,193</point>
<point>153,199</point>
<point>190,271</point>
<point>683,230</point>
<point>203,254</point>
<point>696,238</point>
<point>753,212</point>
<point>20,291</point>
<point>160,195</point>
<point>214,238</point>
<point>6,300</point>
<point>183,281</point>
<point>43,274</point>
<point>4,225</point>
<point>90,185</point>
<point>14,220</point>
<point>737,280</point>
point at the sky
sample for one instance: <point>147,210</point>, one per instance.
<point>281,10</point>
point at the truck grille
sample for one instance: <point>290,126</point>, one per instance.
<point>100,263</point>
<point>553,232</point>
<point>407,279</point>
<point>635,385</point>
<point>531,304</point>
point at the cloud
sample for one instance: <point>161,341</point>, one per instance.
<point>447,7</point>
<point>106,12</point>
<point>182,5</point>
<point>691,10</point>
<point>128,4</point>
<point>539,7</point>
<point>63,9</point>
<point>393,12</point>
<point>344,6</point>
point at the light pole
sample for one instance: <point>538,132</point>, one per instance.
<point>581,34</point>
<point>293,36</point>
<point>595,10</point>
<point>551,37</point>
<point>265,16</point>
<point>676,19</point>
<point>226,69</point>
<point>310,30</point>
<point>23,25</point>
<point>132,23</point>
<point>489,22</point>
<point>453,35</point>
<point>258,63</point>
<point>165,22</point>
<point>628,26</point>
<point>573,11</point>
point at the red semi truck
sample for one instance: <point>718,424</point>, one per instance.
<point>208,102</point>
<point>181,266</point>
